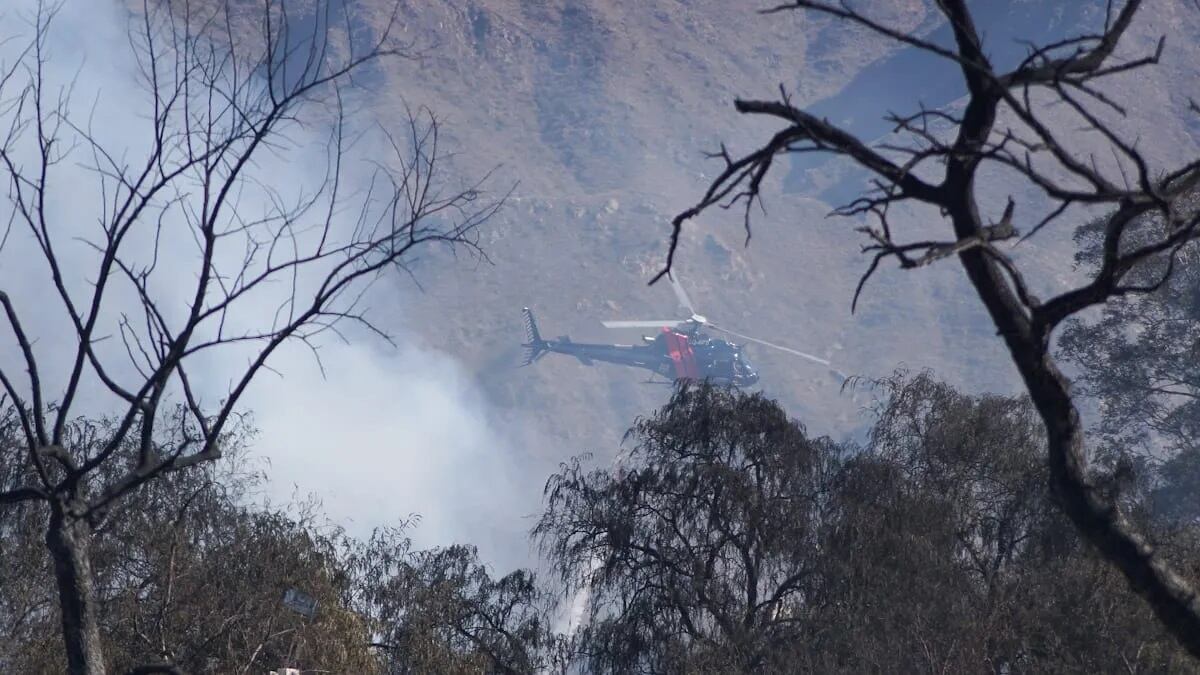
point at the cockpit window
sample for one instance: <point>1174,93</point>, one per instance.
<point>744,370</point>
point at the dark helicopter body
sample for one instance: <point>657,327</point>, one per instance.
<point>680,351</point>
<point>678,355</point>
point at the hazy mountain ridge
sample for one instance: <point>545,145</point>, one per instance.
<point>602,110</point>
<point>642,92</point>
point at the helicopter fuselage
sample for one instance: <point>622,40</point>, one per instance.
<point>671,354</point>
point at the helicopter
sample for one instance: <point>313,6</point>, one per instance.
<point>682,349</point>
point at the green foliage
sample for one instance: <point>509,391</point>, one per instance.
<point>724,540</point>
<point>696,549</point>
<point>1139,361</point>
<point>189,571</point>
<point>441,611</point>
<point>729,541</point>
<point>947,553</point>
<point>188,574</point>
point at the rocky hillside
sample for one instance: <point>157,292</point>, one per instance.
<point>602,110</point>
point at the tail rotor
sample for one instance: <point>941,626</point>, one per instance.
<point>536,347</point>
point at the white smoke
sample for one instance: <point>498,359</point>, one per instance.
<point>384,434</point>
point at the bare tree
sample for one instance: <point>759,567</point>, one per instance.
<point>227,91</point>
<point>938,166</point>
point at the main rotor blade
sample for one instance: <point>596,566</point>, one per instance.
<point>681,294</point>
<point>789,350</point>
<point>641,324</point>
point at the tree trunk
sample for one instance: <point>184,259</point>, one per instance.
<point>68,541</point>
<point>1171,597</point>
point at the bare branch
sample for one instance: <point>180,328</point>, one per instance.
<point>23,494</point>
<point>741,179</point>
<point>1066,69</point>
<point>1039,68</point>
<point>35,384</point>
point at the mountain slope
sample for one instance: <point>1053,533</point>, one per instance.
<point>602,111</point>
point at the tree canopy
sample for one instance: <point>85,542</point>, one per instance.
<point>191,571</point>
<point>728,540</point>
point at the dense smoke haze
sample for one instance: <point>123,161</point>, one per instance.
<point>577,244</point>
<point>386,432</point>
<point>963,271</point>
<point>605,152</point>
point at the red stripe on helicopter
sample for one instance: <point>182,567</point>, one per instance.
<point>682,356</point>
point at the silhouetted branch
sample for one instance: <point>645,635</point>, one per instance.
<point>156,669</point>
<point>741,179</point>
<point>1040,68</point>
<point>1066,69</point>
<point>225,88</point>
<point>22,495</point>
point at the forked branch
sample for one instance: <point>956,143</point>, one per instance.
<point>1043,155</point>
